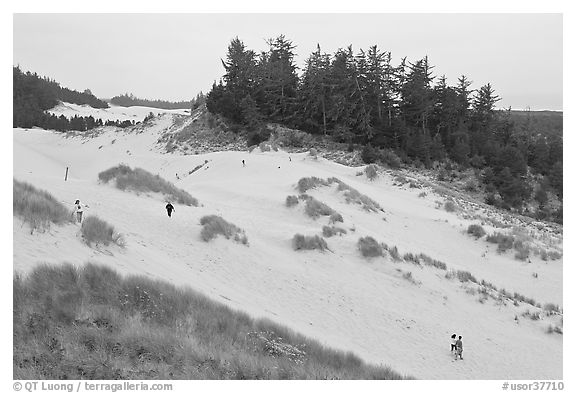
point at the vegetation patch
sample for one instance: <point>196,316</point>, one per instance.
<point>213,226</point>
<point>476,230</point>
<point>140,180</point>
<point>36,207</point>
<point>291,200</point>
<point>329,231</point>
<point>92,323</point>
<point>369,247</point>
<point>308,183</point>
<point>97,231</point>
<point>301,242</point>
<point>505,242</point>
<point>314,208</point>
<point>371,172</point>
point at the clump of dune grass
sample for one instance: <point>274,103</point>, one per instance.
<point>354,196</point>
<point>522,250</point>
<point>505,242</point>
<point>329,231</point>
<point>308,183</point>
<point>394,253</point>
<point>427,260</point>
<point>450,206</point>
<point>291,200</point>
<point>463,276</point>
<point>301,242</point>
<point>476,230</point>
<point>213,226</point>
<point>369,247</point>
<point>408,277</point>
<point>138,179</point>
<point>37,207</point>
<point>371,172</point>
<point>97,231</point>
<point>314,208</point>
<point>336,217</point>
<point>92,323</point>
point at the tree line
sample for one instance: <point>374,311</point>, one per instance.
<point>33,95</point>
<point>130,100</point>
<point>362,98</point>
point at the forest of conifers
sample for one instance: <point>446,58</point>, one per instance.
<point>363,99</point>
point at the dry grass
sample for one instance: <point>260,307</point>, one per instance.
<point>329,231</point>
<point>308,183</point>
<point>291,200</point>
<point>301,242</point>
<point>371,172</point>
<point>37,207</point>
<point>140,180</point>
<point>91,323</point>
<point>505,242</point>
<point>314,208</point>
<point>97,231</point>
<point>213,226</point>
<point>369,247</point>
<point>476,230</point>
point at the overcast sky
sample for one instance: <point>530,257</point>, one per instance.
<point>174,56</point>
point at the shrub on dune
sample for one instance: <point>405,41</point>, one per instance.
<point>328,231</point>
<point>140,180</point>
<point>89,322</point>
<point>476,230</point>
<point>301,242</point>
<point>36,207</point>
<point>97,231</point>
<point>213,226</point>
<point>314,208</point>
<point>291,200</point>
<point>369,247</point>
<point>371,172</point>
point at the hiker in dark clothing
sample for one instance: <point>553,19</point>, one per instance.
<point>169,209</point>
<point>459,348</point>
<point>243,163</point>
<point>453,343</point>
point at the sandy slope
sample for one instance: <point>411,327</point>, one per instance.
<point>136,113</point>
<point>337,297</point>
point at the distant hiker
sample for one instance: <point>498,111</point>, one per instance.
<point>177,177</point>
<point>243,163</point>
<point>78,210</point>
<point>459,348</point>
<point>169,209</point>
<point>290,158</point>
<point>453,343</point>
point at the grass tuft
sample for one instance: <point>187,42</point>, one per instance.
<point>329,231</point>
<point>369,247</point>
<point>291,200</point>
<point>91,323</point>
<point>97,231</point>
<point>213,226</point>
<point>36,207</point>
<point>301,242</point>
<point>140,180</point>
<point>476,230</point>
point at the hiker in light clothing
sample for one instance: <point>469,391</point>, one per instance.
<point>453,343</point>
<point>459,348</point>
<point>78,210</point>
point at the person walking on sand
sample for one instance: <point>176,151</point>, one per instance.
<point>459,348</point>
<point>169,209</point>
<point>453,343</point>
<point>243,163</point>
<point>78,210</point>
